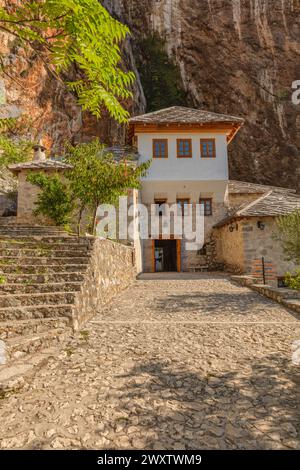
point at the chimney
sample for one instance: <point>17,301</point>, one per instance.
<point>39,152</point>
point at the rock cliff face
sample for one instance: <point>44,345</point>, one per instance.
<point>238,57</point>
<point>235,56</point>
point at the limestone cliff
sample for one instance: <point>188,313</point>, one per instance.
<point>234,56</point>
<point>238,57</point>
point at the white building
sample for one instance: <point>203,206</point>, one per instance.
<point>188,148</point>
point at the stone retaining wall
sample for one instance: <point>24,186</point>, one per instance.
<point>287,297</point>
<point>111,269</point>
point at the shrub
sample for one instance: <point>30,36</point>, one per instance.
<point>55,199</point>
<point>289,235</point>
<point>292,280</point>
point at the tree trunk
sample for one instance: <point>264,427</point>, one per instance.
<point>94,219</point>
<point>79,220</point>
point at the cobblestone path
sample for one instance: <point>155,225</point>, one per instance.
<point>172,364</point>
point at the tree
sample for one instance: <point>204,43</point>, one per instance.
<point>79,35</point>
<point>12,150</point>
<point>55,199</point>
<point>97,178</point>
<point>289,235</point>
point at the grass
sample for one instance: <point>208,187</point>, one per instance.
<point>28,282</point>
<point>84,334</point>
<point>2,279</point>
<point>69,352</point>
<point>7,261</point>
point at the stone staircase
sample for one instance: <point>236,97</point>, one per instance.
<point>41,269</point>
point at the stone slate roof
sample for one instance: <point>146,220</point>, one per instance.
<point>39,165</point>
<point>243,187</point>
<point>271,204</point>
<point>182,115</point>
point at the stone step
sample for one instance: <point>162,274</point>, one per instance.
<point>17,226</point>
<point>7,289</point>
<point>30,279</point>
<point>21,372</point>
<point>32,244</point>
<point>20,346</point>
<point>66,239</point>
<point>8,220</point>
<point>47,269</point>
<point>24,300</point>
<point>42,260</point>
<point>37,230</point>
<point>28,231</point>
<point>49,252</point>
<point>33,311</point>
<point>14,328</point>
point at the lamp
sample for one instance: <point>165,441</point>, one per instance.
<point>261,225</point>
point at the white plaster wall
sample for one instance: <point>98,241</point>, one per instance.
<point>193,190</point>
<point>188,169</point>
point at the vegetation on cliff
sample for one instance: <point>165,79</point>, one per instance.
<point>160,76</point>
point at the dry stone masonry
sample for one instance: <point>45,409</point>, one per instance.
<point>50,283</point>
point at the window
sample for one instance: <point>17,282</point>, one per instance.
<point>160,148</point>
<point>184,148</point>
<point>183,204</point>
<point>206,206</point>
<point>159,206</point>
<point>208,148</point>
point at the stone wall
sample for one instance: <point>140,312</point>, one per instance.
<point>7,203</point>
<point>27,196</point>
<point>8,192</point>
<point>261,243</point>
<point>239,249</point>
<point>230,248</point>
<point>111,269</point>
<point>192,190</point>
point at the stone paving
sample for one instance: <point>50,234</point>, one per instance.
<point>175,362</point>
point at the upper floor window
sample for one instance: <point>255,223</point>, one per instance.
<point>183,205</point>
<point>184,148</point>
<point>160,206</point>
<point>206,206</point>
<point>160,148</point>
<point>208,148</point>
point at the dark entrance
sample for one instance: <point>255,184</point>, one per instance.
<point>165,255</point>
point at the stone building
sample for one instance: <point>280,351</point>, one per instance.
<point>189,167</point>
<point>189,155</point>
<point>27,193</point>
<point>246,238</point>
